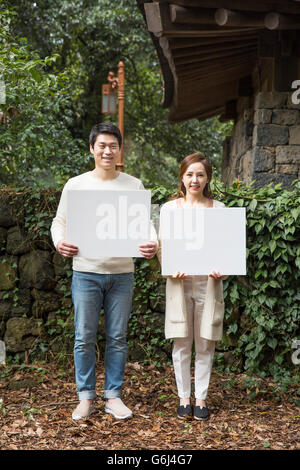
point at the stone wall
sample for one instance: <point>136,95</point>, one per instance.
<point>265,144</point>
<point>32,283</point>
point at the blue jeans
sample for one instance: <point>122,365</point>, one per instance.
<point>91,292</point>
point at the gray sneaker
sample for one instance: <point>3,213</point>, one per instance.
<point>117,408</point>
<point>83,410</point>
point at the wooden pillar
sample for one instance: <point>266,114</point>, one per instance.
<point>285,62</point>
<point>121,98</point>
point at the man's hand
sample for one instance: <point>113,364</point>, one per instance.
<point>67,250</point>
<point>148,250</point>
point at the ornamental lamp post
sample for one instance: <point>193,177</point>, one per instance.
<point>109,103</point>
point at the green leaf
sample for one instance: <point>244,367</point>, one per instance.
<point>272,245</point>
<point>253,204</point>
<point>272,342</point>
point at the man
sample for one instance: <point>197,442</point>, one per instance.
<point>103,282</point>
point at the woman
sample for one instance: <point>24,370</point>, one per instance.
<point>194,304</point>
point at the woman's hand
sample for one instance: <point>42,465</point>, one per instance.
<point>217,275</point>
<point>66,249</point>
<point>179,275</point>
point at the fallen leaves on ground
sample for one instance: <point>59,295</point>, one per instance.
<point>36,403</point>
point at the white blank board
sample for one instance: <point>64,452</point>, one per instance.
<point>196,241</point>
<point>108,223</point>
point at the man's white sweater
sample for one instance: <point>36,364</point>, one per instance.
<point>58,228</point>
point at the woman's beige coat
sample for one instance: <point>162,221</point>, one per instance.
<point>211,326</point>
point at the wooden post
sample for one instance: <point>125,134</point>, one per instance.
<point>121,97</point>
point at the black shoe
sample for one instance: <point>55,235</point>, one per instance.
<point>201,412</point>
<point>184,411</point>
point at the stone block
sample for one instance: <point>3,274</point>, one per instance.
<point>20,311</point>
<point>8,272</point>
<point>294,135</point>
<point>248,128</point>
<point>3,237</point>
<point>42,242</point>
<point>270,99</point>
<point>263,159</point>
<point>61,264</point>
<point>285,117</point>
<point>263,116</point>
<point>17,242</point>
<point>7,215</point>
<point>270,135</point>
<point>242,138</point>
<point>246,166</point>
<point>288,154</point>
<point>24,297</point>
<point>287,169</point>
<point>290,104</point>
<point>262,179</point>
<point>248,114</point>
<point>36,270</point>
<point>5,308</point>
<point>21,333</point>
<point>44,302</point>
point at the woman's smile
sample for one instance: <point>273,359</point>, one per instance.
<point>195,179</point>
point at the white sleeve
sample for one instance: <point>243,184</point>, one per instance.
<point>58,226</point>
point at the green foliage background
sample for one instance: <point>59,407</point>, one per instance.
<point>54,58</point>
<point>262,316</point>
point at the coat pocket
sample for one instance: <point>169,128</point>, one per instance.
<point>218,314</point>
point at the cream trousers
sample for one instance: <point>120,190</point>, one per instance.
<point>194,290</point>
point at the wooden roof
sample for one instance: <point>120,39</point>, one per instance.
<point>208,48</point>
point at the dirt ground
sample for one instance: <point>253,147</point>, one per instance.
<point>36,402</point>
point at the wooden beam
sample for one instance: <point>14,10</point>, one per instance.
<point>225,17</point>
<point>156,16</point>
<point>205,31</point>
<point>276,21</point>
<point>221,66</point>
<point>216,56</point>
<point>159,23</point>
<point>286,6</point>
<point>180,43</point>
<point>212,48</point>
<point>176,116</point>
<point>192,16</point>
<point>201,81</point>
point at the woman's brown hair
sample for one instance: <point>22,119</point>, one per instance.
<point>186,162</point>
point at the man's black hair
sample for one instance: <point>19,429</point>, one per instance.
<point>105,128</point>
